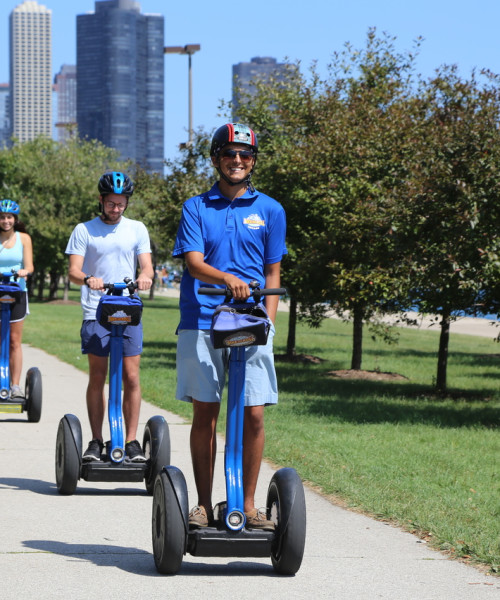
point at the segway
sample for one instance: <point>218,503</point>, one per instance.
<point>118,311</point>
<point>10,292</point>
<point>227,535</point>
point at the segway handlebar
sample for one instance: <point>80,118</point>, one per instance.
<point>255,292</point>
<point>9,274</point>
<point>127,283</point>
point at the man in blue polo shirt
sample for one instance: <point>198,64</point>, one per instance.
<point>228,236</point>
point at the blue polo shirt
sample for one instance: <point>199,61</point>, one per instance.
<point>238,237</point>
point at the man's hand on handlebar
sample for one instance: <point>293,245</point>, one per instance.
<point>144,282</point>
<point>238,288</point>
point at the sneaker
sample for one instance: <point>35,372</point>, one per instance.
<point>134,452</point>
<point>94,451</point>
<point>257,519</point>
<point>16,392</point>
<point>198,517</point>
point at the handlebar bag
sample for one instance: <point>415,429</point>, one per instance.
<point>119,310</point>
<point>239,325</point>
<point>10,293</point>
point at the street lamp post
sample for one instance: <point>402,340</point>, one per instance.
<point>188,49</point>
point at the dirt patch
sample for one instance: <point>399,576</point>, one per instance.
<point>367,375</point>
<point>63,302</point>
<point>299,358</point>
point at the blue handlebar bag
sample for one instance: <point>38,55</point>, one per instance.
<point>10,293</point>
<point>119,310</point>
<point>239,325</point>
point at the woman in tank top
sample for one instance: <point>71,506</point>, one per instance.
<point>16,253</point>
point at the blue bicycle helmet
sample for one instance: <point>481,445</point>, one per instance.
<point>9,206</point>
<point>114,182</point>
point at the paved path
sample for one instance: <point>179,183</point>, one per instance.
<point>97,543</point>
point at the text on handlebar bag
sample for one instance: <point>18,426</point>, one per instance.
<point>119,310</point>
<point>239,325</point>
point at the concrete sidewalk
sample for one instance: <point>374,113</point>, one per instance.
<point>97,543</point>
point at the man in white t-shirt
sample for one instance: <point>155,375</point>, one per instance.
<point>106,250</point>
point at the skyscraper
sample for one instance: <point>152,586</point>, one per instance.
<point>120,79</point>
<point>4,115</point>
<point>259,69</point>
<point>30,71</point>
<point>65,87</point>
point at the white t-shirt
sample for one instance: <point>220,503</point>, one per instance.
<point>110,252</point>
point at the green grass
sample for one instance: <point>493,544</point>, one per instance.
<point>391,449</point>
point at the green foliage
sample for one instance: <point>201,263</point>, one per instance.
<point>56,188</point>
<point>162,197</point>
<point>389,183</point>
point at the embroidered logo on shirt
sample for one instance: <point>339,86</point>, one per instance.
<point>254,222</point>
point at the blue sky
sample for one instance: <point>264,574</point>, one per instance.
<point>455,32</point>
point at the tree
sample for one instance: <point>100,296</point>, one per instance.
<point>331,154</point>
<point>160,198</point>
<point>56,188</point>
<point>450,224</point>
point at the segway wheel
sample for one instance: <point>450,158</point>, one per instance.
<point>67,456</point>
<point>286,506</point>
<point>156,446</point>
<point>33,393</point>
<point>169,522</point>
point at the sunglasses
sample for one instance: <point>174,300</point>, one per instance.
<point>245,155</point>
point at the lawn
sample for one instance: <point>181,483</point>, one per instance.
<point>388,448</point>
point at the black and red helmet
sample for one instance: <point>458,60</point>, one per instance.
<point>233,133</point>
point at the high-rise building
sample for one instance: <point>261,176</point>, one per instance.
<point>65,88</point>
<point>30,71</point>
<point>259,69</point>
<point>120,79</point>
<point>4,115</point>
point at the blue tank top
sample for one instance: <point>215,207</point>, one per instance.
<point>12,258</point>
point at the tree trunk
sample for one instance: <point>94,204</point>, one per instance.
<point>66,289</point>
<point>41,280</point>
<point>444,340</point>
<point>53,285</point>
<point>357,340</point>
<point>292,329</point>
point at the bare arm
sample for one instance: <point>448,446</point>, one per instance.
<point>145,279</point>
<point>28,267</point>
<point>75,273</point>
<point>273,280</point>
<point>199,269</point>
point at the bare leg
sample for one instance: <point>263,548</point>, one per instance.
<point>16,352</point>
<point>131,396</point>
<point>98,368</point>
<point>253,449</point>
<point>204,448</point>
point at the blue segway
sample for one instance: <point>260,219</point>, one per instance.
<point>118,311</point>
<point>10,293</point>
<point>227,536</point>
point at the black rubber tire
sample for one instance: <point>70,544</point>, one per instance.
<point>156,447</point>
<point>67,459</point>
<point>33,394</point>
<point>286,506</point>
<point>168,529</point>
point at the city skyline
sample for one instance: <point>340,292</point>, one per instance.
<point>454,33</point>
<point>120,81</point>
<point>30,73</point>
<point>65,89</point>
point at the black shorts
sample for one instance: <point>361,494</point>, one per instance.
<point>19,309</point>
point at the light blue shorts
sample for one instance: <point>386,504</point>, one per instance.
<point>201,370</point>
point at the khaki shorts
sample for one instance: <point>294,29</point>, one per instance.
<point>201,370</point>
